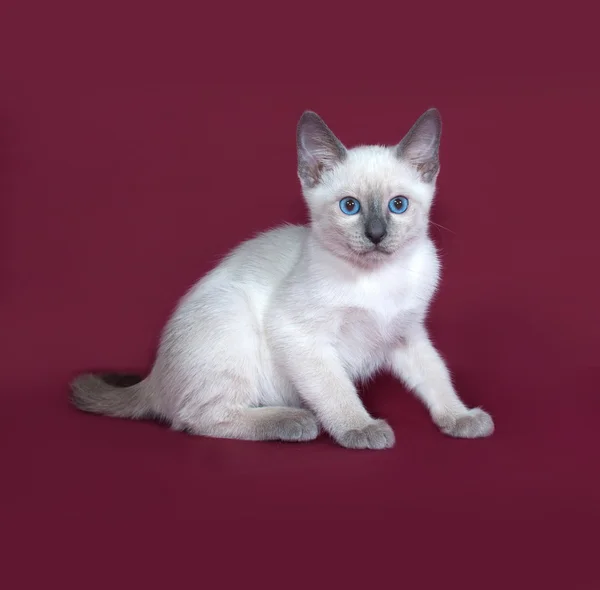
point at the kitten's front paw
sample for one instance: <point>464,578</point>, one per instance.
<point>473,424</point>
<point>376,435</point>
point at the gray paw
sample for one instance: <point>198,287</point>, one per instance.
<point>302,426</point>
<point>376,435</point>
<point>474,424</point>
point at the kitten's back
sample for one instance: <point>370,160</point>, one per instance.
<point>268,257</point>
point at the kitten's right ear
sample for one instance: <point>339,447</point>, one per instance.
<point>318,148</point>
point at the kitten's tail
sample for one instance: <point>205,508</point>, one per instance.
<point>120,396</point>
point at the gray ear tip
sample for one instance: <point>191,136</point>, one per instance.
<point>309,117</point>
<point>433,113</point>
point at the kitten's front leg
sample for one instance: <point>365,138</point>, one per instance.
<point>420,366</point>
<point>323,384</point>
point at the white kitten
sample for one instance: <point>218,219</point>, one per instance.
<point>269,345</point>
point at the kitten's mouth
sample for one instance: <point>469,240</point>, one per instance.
<point>378,249</point>
<point>388,251</point>
<point>375,252</point>
<point>368,258</point>
<point>381,251</point>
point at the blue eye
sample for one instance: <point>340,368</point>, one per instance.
<point>398,205</point>
<point>349,206</point>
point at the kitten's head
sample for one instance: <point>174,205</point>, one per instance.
<point>369,202</point>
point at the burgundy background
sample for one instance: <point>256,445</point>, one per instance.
<point>139,141</point>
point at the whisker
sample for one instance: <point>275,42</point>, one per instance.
<point>442,226</point>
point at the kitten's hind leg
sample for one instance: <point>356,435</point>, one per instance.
<point>265,423</point>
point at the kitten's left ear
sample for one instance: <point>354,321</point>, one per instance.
<point>420,146</point>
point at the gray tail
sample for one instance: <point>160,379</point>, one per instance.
<point>121,396</point>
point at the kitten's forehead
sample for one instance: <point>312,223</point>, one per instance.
<point>377,172</point>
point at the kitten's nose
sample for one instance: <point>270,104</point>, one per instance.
<point>375,230</point>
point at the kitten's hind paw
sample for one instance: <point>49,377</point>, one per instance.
<point>376,435</point>
<point>299,426</point>
<point>473,424</point>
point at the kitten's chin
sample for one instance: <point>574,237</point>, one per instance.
<point>369,258</point>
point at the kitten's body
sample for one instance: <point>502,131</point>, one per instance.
<point>237,317</point>
<point>270,343</point>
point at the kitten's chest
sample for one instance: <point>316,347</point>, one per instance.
<point>376,320</point>
<point>366,337</point>
<point>388,305</point>
<point>366,328</point>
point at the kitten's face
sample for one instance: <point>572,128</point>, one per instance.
<point>368,203</point>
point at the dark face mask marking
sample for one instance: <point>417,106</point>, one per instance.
<point>375,228</point>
